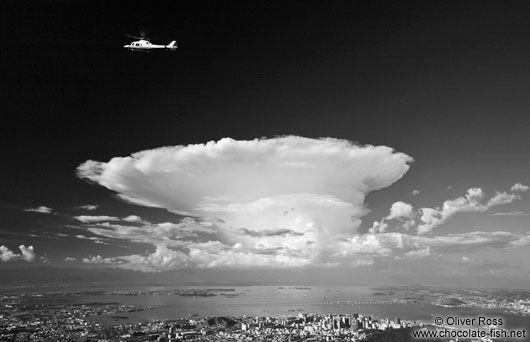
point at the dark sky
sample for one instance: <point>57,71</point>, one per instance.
<point>445,82</point>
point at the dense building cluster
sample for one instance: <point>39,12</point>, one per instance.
<point>304,327</point>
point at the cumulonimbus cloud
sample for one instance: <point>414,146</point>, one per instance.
<point>286,192</point>
<point>252,184</point>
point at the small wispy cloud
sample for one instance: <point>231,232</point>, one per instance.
<point>268,232</point>
<point>89,207</point>
<point>133,219</point>
<point>44,259</point>
<point>42,209</point>
<point>91,238</point>
<point>520,187</point>
<point>399,210</point>
<point>161,233</point>
<point>92,219</point>
<point>98,259</point>
<point>510,213</point>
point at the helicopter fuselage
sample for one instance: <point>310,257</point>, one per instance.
<point>144,45</point>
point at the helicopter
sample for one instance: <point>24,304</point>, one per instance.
<point>144,45</point>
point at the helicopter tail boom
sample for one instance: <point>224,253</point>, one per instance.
<point>172,45</point>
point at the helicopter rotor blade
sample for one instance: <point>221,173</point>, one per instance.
<point>135,37</point>
<point>144,32</point>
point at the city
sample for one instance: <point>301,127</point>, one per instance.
<point>54,316</point>
<point>69,323</point>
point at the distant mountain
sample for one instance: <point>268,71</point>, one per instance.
<point>52,276</point>
<point>106,276</point>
